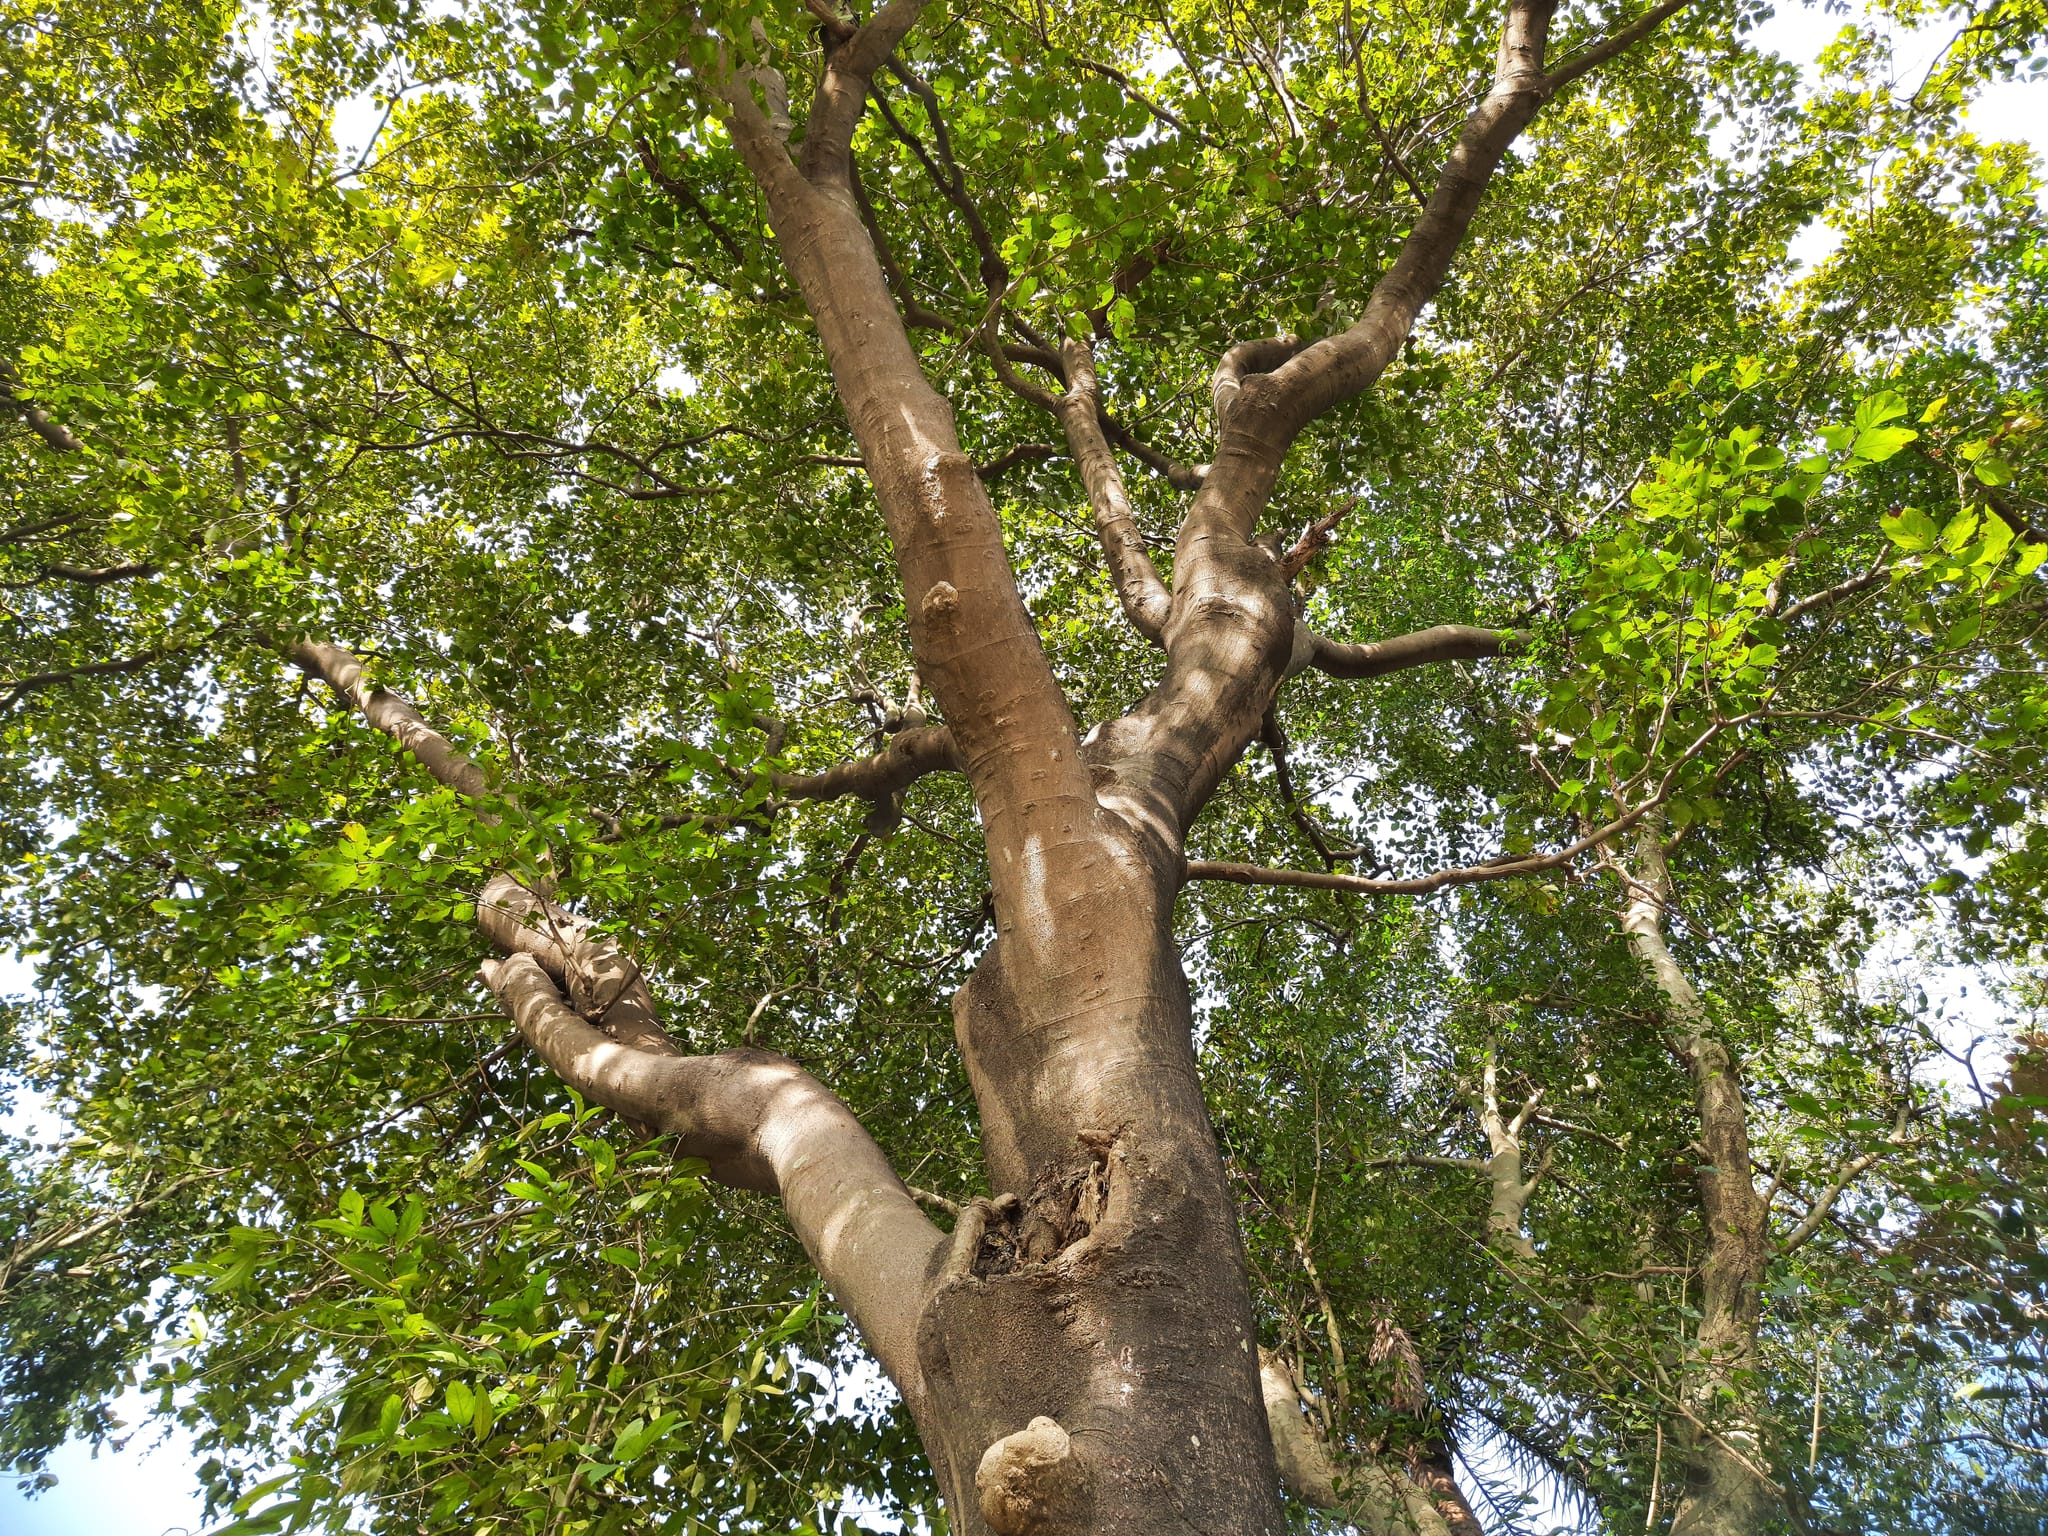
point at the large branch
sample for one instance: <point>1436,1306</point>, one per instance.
<point>842,93</point>
<point>1441,642</point>
<point>1146,602</point>
<point>758,1119</point>
<point>1271,410</point>
<point>881,778</point>
<point>1377,1499</point>
<point>1339,367</point>
<point>974,643</point>
<point>761,1122</point>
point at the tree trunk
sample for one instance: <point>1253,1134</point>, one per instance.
<point>1725,1492</point>
<point>1104,1289</point>
<point>1080,1355</point>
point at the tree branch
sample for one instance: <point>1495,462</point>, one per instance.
<point>1241,362</point>
<point>678,191</point>
<point>1009,459</point>
<point>1316,538</point>
<point>1875,576</point>
<point>390,713</point>
<point>882,778</point>
<point>758,1119</point>
<point>21,688</point>
<point>99,576</point>
<point>1818,1213</point>
<point>761,1122</point>
<point>1441,642</point>
<point>50,430</point>
<point>1378,1500</point>
<point>1506,868</point>
<point>1608,47</point>
<point>1146,602</point>
<point>1341,366</point>
<point>843,90</point>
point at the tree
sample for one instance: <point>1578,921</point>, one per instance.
<point>643,432</point>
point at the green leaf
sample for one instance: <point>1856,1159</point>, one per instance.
<point>1877,444</point>
<point>1911,529</point>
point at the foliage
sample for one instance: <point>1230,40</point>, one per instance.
<point>513,397</point>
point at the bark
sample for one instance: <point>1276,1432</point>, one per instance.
<point>1376,1498</point>
<point>1726,1492</point>
<point>53,432</point>
<point>1507,1191</point>
<point>759,1120</point>
<point>1146,602</point>
<point>1105,1291</point>
<point>1444,642</point>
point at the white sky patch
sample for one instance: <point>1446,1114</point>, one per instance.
<point>677,381</point>
<point>2004,110</point>
<point>143,1485</point>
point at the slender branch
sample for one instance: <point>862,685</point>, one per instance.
<point>883,777</point>
<point>1608,47</point>
<point>86,575</point>
<point>1128,275</point>
<point>1797,1238</point>
<point>1507,868</point>
<point>1427,1160</point>
<point>99,576</point>
<point>70,1235</point>
<point>1009,459</point>
<point>1275,738</point>
<point>909,756</point>
<point>1851,1171</point>
<point>1146,602</point>
<point>1875,576</point>
<point>1316,538</point>
<point>21,688</point>
<point>1441,642</point>
<point>678,191</point>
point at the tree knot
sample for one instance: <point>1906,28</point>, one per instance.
<point>941,605</point>
<point>1032,1483</point>
<point>1066,1203</point>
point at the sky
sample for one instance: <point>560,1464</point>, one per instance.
<point>146,1489</point>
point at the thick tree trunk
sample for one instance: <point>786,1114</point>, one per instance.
<point>1105,1288</point>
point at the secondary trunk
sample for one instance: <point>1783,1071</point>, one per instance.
<point>1725,1493</point>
